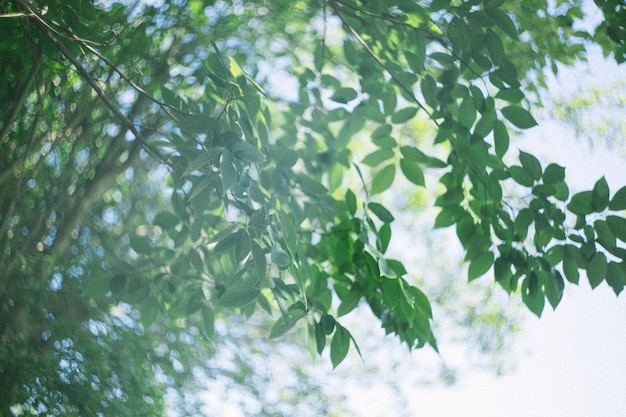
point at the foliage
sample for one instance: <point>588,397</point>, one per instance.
<point>145,167</point>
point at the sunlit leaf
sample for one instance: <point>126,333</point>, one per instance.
<point>519,116</point>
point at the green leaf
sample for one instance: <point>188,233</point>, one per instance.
<point>448,216</point>
<point>279,257</point>
<point>532,295</point>
<point>618,226</point>
<point>344,95</point>
<point>616,276</point>
<point>412,171</point>
<point>96,287</point>
<point>198,124</point>
<point>521,176</point>
<point>581,203</point>
<point>531,164</point>
<point>503,21</point>
<point>570,263</point>
<point>554,287</point>
<point>429,90</point>
<point>149,311</point>
<point>404,115</point>
<point>467,112</point>
<point>495,48</point>
<point>618,202</point>
<point>238,296</point>
<point>247,152</point>
<point>260,261</point>
<point>383,179</point>
<point>351,202</point>
<point>553,174</point>
<point>340,345</point>
<point>118,283</point>
<point>166,220</point>
<point>141,245</point>
<point>381,212</point>
<point>288,228</point>
<point>519,116</point>
<point>512,95</point>
<point>501,138</point>
<point>286,323</point>
<point>376,157</point>
<point>335,177</point>
<point>391,291</point>
<point>600,195</point>
<point>349,300</point>
<point>228,172</point>
<point>486,123</point>
<point>416,63</point>
<point>597,269</point>
<point>480,265</point>
<point>606,237</point>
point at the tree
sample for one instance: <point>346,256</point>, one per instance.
<point>146,169</point>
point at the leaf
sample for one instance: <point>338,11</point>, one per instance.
<point>279,257</point>
<point>118,283</point>
<point>228,172</point>
<point>503,21</point>
<point>140,244</point>
<point>166,220</point>
<point>286,323</point>
<point>495,48</point>
<point>532,295</point>
<point>149,311</point>
<point>521,176</point>
<point>512,95</point>
<point>618,226</point>
<point>581,203</point>
<point>597,269</point>
<point>501,138</point>
<point>600,195</point>
<point>519,116</point>
<point>238,296</point>
<point>198,124</point>
<point>606,237</point>
<point>383,179</point>
<point>554,287</point>
<point>340,345</point>
<point>570,263</point>
<point>616,276</point>
<point>531,164</point>
<point>416,63</point>
<point>404,115</point>
<point>335,176</point>
<point>351,202</point>
<point>448,216</point>
<point>381,212</point>
<point>553,174</point>
<point>344,95</point>
<point>429,90</point>
<point>618,202</point>
<point>260,261</point>
<point>467,112</point>
<point>288,229</point>
<point>245,151</point>
<point>96,287</point>
<point>486,123</point>
<point>480,265</point>
<point>376,157</point>
<point>412,171</point>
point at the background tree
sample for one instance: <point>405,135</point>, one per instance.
<point>145,168</point>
